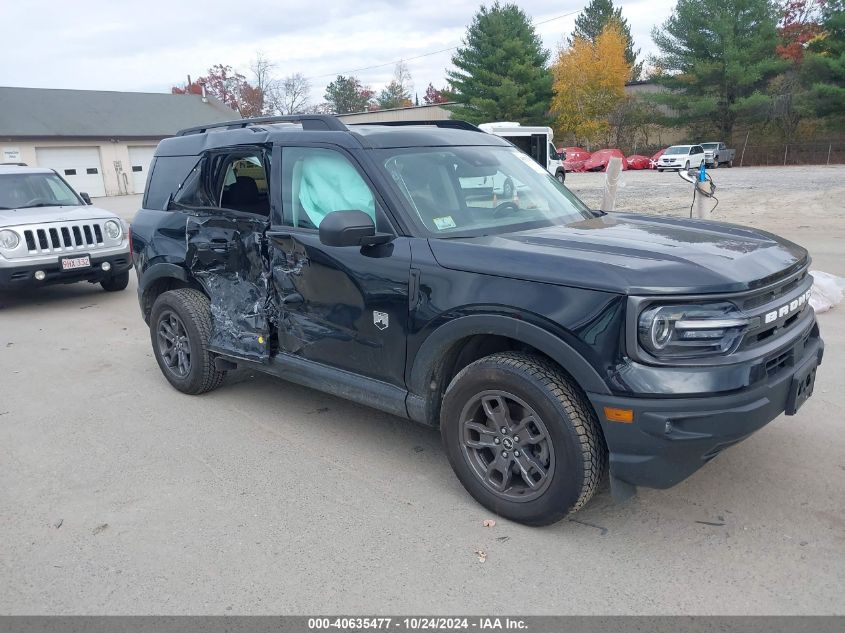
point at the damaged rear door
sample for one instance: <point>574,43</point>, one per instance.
<point>227,250</point>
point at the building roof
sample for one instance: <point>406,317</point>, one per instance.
<point>39,112</point>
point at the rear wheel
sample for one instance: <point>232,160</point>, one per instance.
<point>116,283</point>
<point>180,328</point>
<point>522,438</point>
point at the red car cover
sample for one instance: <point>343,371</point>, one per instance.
<point>638,162</point>
<point>575,158</point>
<point>598,161</point>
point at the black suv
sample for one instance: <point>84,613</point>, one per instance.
<point>436,272</point>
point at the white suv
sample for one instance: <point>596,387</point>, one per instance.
<point>49,234</point>
<point>681,157</point>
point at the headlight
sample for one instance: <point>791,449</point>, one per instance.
<point>691,331</point>
<point>113,229</point>
<point>9,239</point>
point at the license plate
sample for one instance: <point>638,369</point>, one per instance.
<point>73,263</point>
<point>802,387</point>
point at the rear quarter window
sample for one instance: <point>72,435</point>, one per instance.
<point>166,174</point>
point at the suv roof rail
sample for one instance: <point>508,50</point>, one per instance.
<point>454,124</point>
<point>308,121</point>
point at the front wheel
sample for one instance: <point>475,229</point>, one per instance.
<point>686,167</point>
<point>715,164</point>
<point>180,329</point>
<point>116,283</point>
<point>522,438</point>
<point>561,176</point>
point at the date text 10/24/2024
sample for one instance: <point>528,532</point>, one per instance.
<point>417,624</point>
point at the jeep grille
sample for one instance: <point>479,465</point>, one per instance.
<point>65,237</point>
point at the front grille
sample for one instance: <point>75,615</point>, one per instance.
<point>772,294</point>
<point>769,301</point>
<point>58,239</point>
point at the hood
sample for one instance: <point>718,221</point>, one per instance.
<point>631,254</point>
<point>42,215</point>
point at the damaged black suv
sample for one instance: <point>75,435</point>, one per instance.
<point>436,272</point>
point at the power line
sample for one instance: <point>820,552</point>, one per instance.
<point>429,54</point>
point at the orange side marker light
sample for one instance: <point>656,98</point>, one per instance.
<point>625,416</point>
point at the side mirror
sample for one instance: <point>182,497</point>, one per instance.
<point>85,198</point>
<point>350,228</point>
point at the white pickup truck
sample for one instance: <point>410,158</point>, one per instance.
<point>717,153</point>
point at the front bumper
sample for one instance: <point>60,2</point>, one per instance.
<point>14,277</point>
<point>671,438</point>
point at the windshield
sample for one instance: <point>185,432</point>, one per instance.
<point>709,145</point>
<point>465,191</point>
<point>23,191</point>
<point>679,149</point>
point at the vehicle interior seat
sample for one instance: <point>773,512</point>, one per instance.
<point>243,195</point>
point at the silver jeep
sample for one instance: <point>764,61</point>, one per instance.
<point>49,234</point>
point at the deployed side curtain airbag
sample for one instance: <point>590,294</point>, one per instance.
<point>330,183</point>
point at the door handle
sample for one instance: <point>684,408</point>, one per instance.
<point>293,298</point>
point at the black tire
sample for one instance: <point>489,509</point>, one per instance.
<point>191,308</point>
<point>715,164</point>
<point>686,167</point>
<point>659,169</point>
<point>573,451</point>
<point>116,283</point>
<point>561,176</point>
<point>731,162</point>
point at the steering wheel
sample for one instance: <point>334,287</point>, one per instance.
<point>504,208</point>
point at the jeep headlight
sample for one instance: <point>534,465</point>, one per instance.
<point>9,239</point>
<point>113,229</point>
<point>691,331</point>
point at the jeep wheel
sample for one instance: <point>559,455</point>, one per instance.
<point>180,327</point>
<point>522,438</point>
<point>116,283</point>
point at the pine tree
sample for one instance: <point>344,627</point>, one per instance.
<point>716,58</point>
<point>501,70</point>
<point>591,22</point>
<point>346,94</point>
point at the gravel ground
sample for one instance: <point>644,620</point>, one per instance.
<point>119,495</point>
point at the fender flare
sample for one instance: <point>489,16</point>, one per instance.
<point>157,271</point>
<point>435,346</point>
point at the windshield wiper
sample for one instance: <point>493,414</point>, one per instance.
<point>40,204</point>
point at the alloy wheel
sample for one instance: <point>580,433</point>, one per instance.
<point>173,344</point>
<point>507,445</point>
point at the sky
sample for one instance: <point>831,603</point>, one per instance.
<point>151,45</point>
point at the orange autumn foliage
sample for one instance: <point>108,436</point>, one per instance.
<point>589,83</point>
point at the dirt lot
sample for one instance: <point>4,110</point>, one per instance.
<point>119,495</point>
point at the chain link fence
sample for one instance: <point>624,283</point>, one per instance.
<point>790,154</point>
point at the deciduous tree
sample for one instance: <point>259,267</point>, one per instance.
<point>589,84</point>
<point>591,22</point>
<point>500,71</point>
<point>433,95</point>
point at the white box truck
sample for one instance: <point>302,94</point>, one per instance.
<point>536,141</point>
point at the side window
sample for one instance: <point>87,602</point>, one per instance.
<point>317,181</point>
<point>244,183</point>
<point>168,173</point>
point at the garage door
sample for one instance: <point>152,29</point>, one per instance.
<point>80,166</point>
<point>140,157</point>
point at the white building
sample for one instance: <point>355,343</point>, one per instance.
<point>101,142</point>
